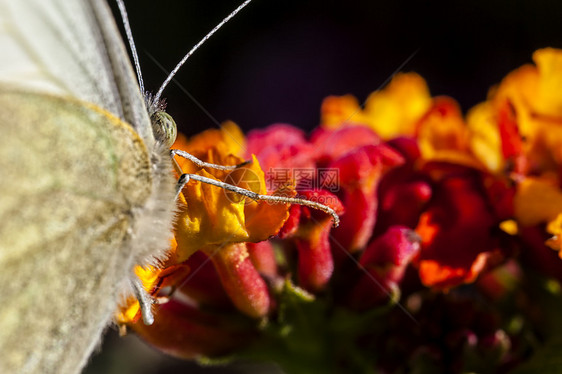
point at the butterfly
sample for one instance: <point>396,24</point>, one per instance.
<point>87,190</point>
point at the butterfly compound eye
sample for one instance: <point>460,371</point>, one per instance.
<point>164,127</point>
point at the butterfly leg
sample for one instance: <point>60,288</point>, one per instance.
<point>203,164</point>
<point>182,181</point>
<point>185,178</point>
<point>145,301</point>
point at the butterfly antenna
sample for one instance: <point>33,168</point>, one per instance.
<point>196,47</point>
<point>131,41</point>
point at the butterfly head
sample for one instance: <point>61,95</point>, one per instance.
<point>164,127</point>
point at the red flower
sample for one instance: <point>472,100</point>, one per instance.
<point>315,261</point>
<point>385,261</point>
<point>360,160</point>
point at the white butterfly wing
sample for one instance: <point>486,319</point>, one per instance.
<point>83,196</point>
<point>71,48</point>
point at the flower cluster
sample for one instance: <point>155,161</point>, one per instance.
<point>443,261</point>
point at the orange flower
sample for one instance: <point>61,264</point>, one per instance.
<point>212,216</point>
<point>218,223</point>
<point>456,230</point>
<point>443,135</point>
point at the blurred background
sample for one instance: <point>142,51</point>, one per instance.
<point>277,60</point>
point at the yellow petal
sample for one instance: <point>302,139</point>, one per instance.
<point>390,112</point>
<point>554,227</point>
<point>396,109</point>
<point>509,226</point>
<point>549,65</point>
<point>537,200</point>
<point>485,141</point>
<point>337,110</point>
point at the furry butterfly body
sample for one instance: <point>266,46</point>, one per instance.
<point>86,191</point>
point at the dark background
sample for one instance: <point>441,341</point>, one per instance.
<point>277,60</point>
